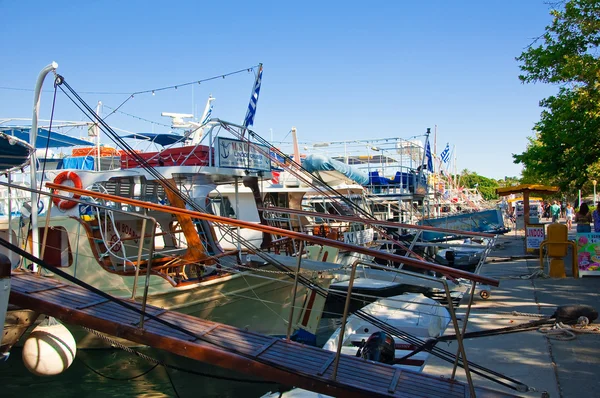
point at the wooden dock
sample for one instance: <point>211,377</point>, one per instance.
<point>268,358</point>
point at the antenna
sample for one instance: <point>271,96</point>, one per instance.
<point>177,121</point>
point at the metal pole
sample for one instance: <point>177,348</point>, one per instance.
<point>298,263</point>
<point>35,235</point>
<point>45,238</point>
<point>148,269</point>
<point>464,326</point>
<point>237,211</point>
<point>139,256</point>
<point>344,319</point>
<point>9,179</point>
<point>97,130</point>
<point>459,339</point>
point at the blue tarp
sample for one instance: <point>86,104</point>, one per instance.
<point>325,163</point>
<point>490,221</point>
<point>157,138</point>
<point>376,179</point>
<point>12,154</point>
<point>45,138</point>
<point>76,162</point>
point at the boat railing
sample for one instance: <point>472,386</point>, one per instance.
<point>460,354</point>
<point>456,273</point>
<point>144,217</point>
<point>303,238</point>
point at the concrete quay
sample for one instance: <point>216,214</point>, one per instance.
<point>551,368</point>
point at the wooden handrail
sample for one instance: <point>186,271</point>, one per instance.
<point>456,273</point>
<point>374,222</point>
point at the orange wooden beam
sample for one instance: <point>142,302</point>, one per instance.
<point>375,222</point>
<point>456,273</point>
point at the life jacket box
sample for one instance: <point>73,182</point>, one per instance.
<point>180,156</point>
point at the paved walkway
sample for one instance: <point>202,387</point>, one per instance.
<point>551,367</point>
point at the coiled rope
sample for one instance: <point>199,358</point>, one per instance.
<point>562,332</point>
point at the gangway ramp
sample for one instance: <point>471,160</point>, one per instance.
<point>269,358</point>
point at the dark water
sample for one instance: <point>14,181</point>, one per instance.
<point>113,373</point>
<point>110,364</point>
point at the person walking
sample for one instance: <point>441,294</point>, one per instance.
<point>583,218</point>
<point>596,218</point>
<point>570,215</point>
<point>555,211</point>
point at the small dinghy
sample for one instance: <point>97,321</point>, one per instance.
<point>412,314</point>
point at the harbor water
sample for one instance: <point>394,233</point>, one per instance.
<point>117,373</point>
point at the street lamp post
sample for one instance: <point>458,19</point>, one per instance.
<point>594,182</point>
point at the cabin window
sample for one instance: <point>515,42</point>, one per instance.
<point>221,206</point>
<point>277,200</point>
<point>58,250</point>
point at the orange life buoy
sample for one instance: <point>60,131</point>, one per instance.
<point>65,204</point>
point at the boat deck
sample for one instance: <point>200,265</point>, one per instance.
<point>268,358</point>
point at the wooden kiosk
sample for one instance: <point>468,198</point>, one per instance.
<point>526,190</point>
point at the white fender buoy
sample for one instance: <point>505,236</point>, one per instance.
<point>49,350</point>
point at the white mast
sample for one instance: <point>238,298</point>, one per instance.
<point>97,134</point>
<point>295,143</point>
<point>37,95</point>
<point>197,134</point>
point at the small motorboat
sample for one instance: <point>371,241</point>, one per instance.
<point>465,256</point>
<point>411,313</point>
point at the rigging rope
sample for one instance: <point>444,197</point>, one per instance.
<point>450,357</point>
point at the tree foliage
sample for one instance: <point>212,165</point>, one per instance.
<point>565,148</point>
<point>487,186</point>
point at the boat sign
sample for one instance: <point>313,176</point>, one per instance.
<point>535,234</point>
<point>235,154</point>
<point>359,237</point>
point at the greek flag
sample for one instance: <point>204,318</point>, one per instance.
<point>207,118</point>
<point>445,155</point>
<point>249,119</point>
<point>429,158</point>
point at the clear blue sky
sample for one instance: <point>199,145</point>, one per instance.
<point>336,70</point>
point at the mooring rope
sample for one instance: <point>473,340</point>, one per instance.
<point>157,362</point>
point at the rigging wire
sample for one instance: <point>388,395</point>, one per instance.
<point>137,117</point>
<point>303,280</point>
<point>174,86</point>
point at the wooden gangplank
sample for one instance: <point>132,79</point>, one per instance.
<point>268,358</point>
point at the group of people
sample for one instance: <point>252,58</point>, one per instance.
<point>583,218</point>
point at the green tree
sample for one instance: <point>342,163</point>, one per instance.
<point>566,144</point>
<point>486,186</point>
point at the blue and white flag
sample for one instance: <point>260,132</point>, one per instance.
<point>249,119</point>
<point>445,155</point>
<point>428,157</point>
<point>207,117</point>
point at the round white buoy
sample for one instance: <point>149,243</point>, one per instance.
<point>49,350</point>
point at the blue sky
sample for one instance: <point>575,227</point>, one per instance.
<point>335,70</point>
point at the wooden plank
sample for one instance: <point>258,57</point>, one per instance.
<point>443,389</point>
<point>394,381</point>
<point>146,318</point>
<point>100,301</point>
<point>326,365</point>
<point>287,362</point>
<point>264,348</point>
